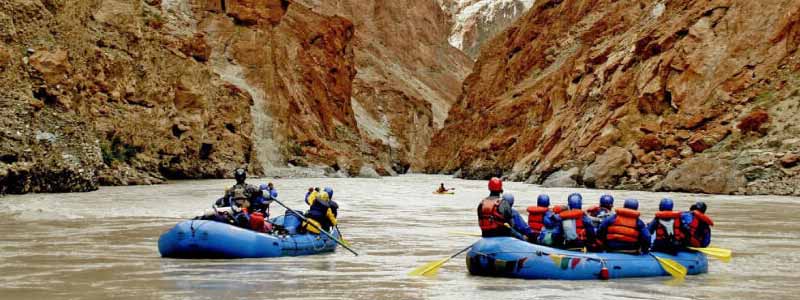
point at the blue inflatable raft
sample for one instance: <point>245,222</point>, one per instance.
<point>510,257</point>
<point>211,239</point>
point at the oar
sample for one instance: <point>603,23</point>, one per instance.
<point>341,235</point>
<point>315,226</point>
<point>431,268</point>
<point>719,253</point>
<point>672,267</point>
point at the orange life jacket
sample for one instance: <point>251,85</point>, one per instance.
<point>661,232</point>
<point>694,239</point>
<point>624,228</point>
<point>490,217</point>
<point>536,217</point>
<point>577,215</point>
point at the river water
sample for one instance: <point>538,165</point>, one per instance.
<point>102,245</point>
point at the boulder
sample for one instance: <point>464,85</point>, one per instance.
<point>53,65</point>
<point>704,175</point>
<point>606,170</point>
<point>367,171</point>
<point>563,178</point>
<point>790,160</point>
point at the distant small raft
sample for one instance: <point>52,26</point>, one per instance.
<point>210,239</point>
<point>510,257</point>
<point>444,193</point>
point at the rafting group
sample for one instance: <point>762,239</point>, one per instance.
<point>601,228</point>
<point>558,242</point>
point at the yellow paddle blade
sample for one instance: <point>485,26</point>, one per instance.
<point>466,233</point>
<point>720,253</point>
<point>672,267</point>
<point>429,269</point>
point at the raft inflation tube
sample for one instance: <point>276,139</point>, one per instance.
<point>211,239</point>
<point>510,257</point>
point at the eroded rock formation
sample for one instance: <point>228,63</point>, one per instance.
<point>669,82</point>
<point>475,22</point>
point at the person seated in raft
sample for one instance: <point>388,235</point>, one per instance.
<point>262,202</point>
<point>334,206</point>
<point>312,192</point>
<point>624,232</point>
<point>599,213</point>
<point>551,232</point>
<point>250,191</point>
<point>241,215</point>
<point>494,213</point>
<point>521,229</point>
<point>442,189</point>
<point>319,213</point>
<point>539,217</point>
<point>697,225</point>
<point>665,229</point>
<point>576,227</point>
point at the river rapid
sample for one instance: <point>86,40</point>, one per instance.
<point>102,245</point>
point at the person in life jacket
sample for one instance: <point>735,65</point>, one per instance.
<point>697,225</point>
<point>241,214</point>
<point>665,229</point>
<point>262,202</point>
<point>539,217</point>
<point>576,227</point>
<point>312,193</point>
<point>624,232</point>
<point>251,192</point>
<point>599,213</point>
<point>521,229</point>
<point>334,206</point>
<point>319,213</point>
<point>494,213</point>
<point>551,232</point>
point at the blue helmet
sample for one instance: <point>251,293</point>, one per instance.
<point>606,201</point>
<point>575,201</point>
<point>631,204</point>
<point>329,190</point>
<point>665,204</point>
<point>509,198</point>
<point>543,200</point>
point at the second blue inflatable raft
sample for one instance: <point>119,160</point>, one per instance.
<point>510,257</point>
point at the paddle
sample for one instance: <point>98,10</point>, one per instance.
<point>719,253</point>
<point>672,267</point>
<point>341,235</point>
<point>431,268</point>
<point>315,226</point>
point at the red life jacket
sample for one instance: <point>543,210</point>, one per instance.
<point>257,222</point>
<point>661,232</point>
<point>624,228</point>
<point>490,217</point>
<point>577,215</point>
<point>536,217</point>
<point>694,239</point>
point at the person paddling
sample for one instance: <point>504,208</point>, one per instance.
<point>600,213</point>
<point>624,232</point>
<point>494,213</point>
<point>521,229</point>
<point>697,225</point>
<point>576,228</point>
<point>539,217</point>
<point>319,212</point>
<point>665,229</point>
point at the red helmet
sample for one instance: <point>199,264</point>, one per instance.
<point>495,185</point>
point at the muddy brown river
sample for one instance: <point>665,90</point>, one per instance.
<point>102,245</point>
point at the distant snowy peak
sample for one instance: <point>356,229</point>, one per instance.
<point>477,21</point>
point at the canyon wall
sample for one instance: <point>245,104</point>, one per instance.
<point>697,96</point>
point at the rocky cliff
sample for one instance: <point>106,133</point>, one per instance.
<point>407,75</point>
<point>696,96</point>
<point>475,22</point>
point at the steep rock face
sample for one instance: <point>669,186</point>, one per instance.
<point>408,76</point>
<point>475,22</point>
<point>667,81</point>
<point>101,92</point>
